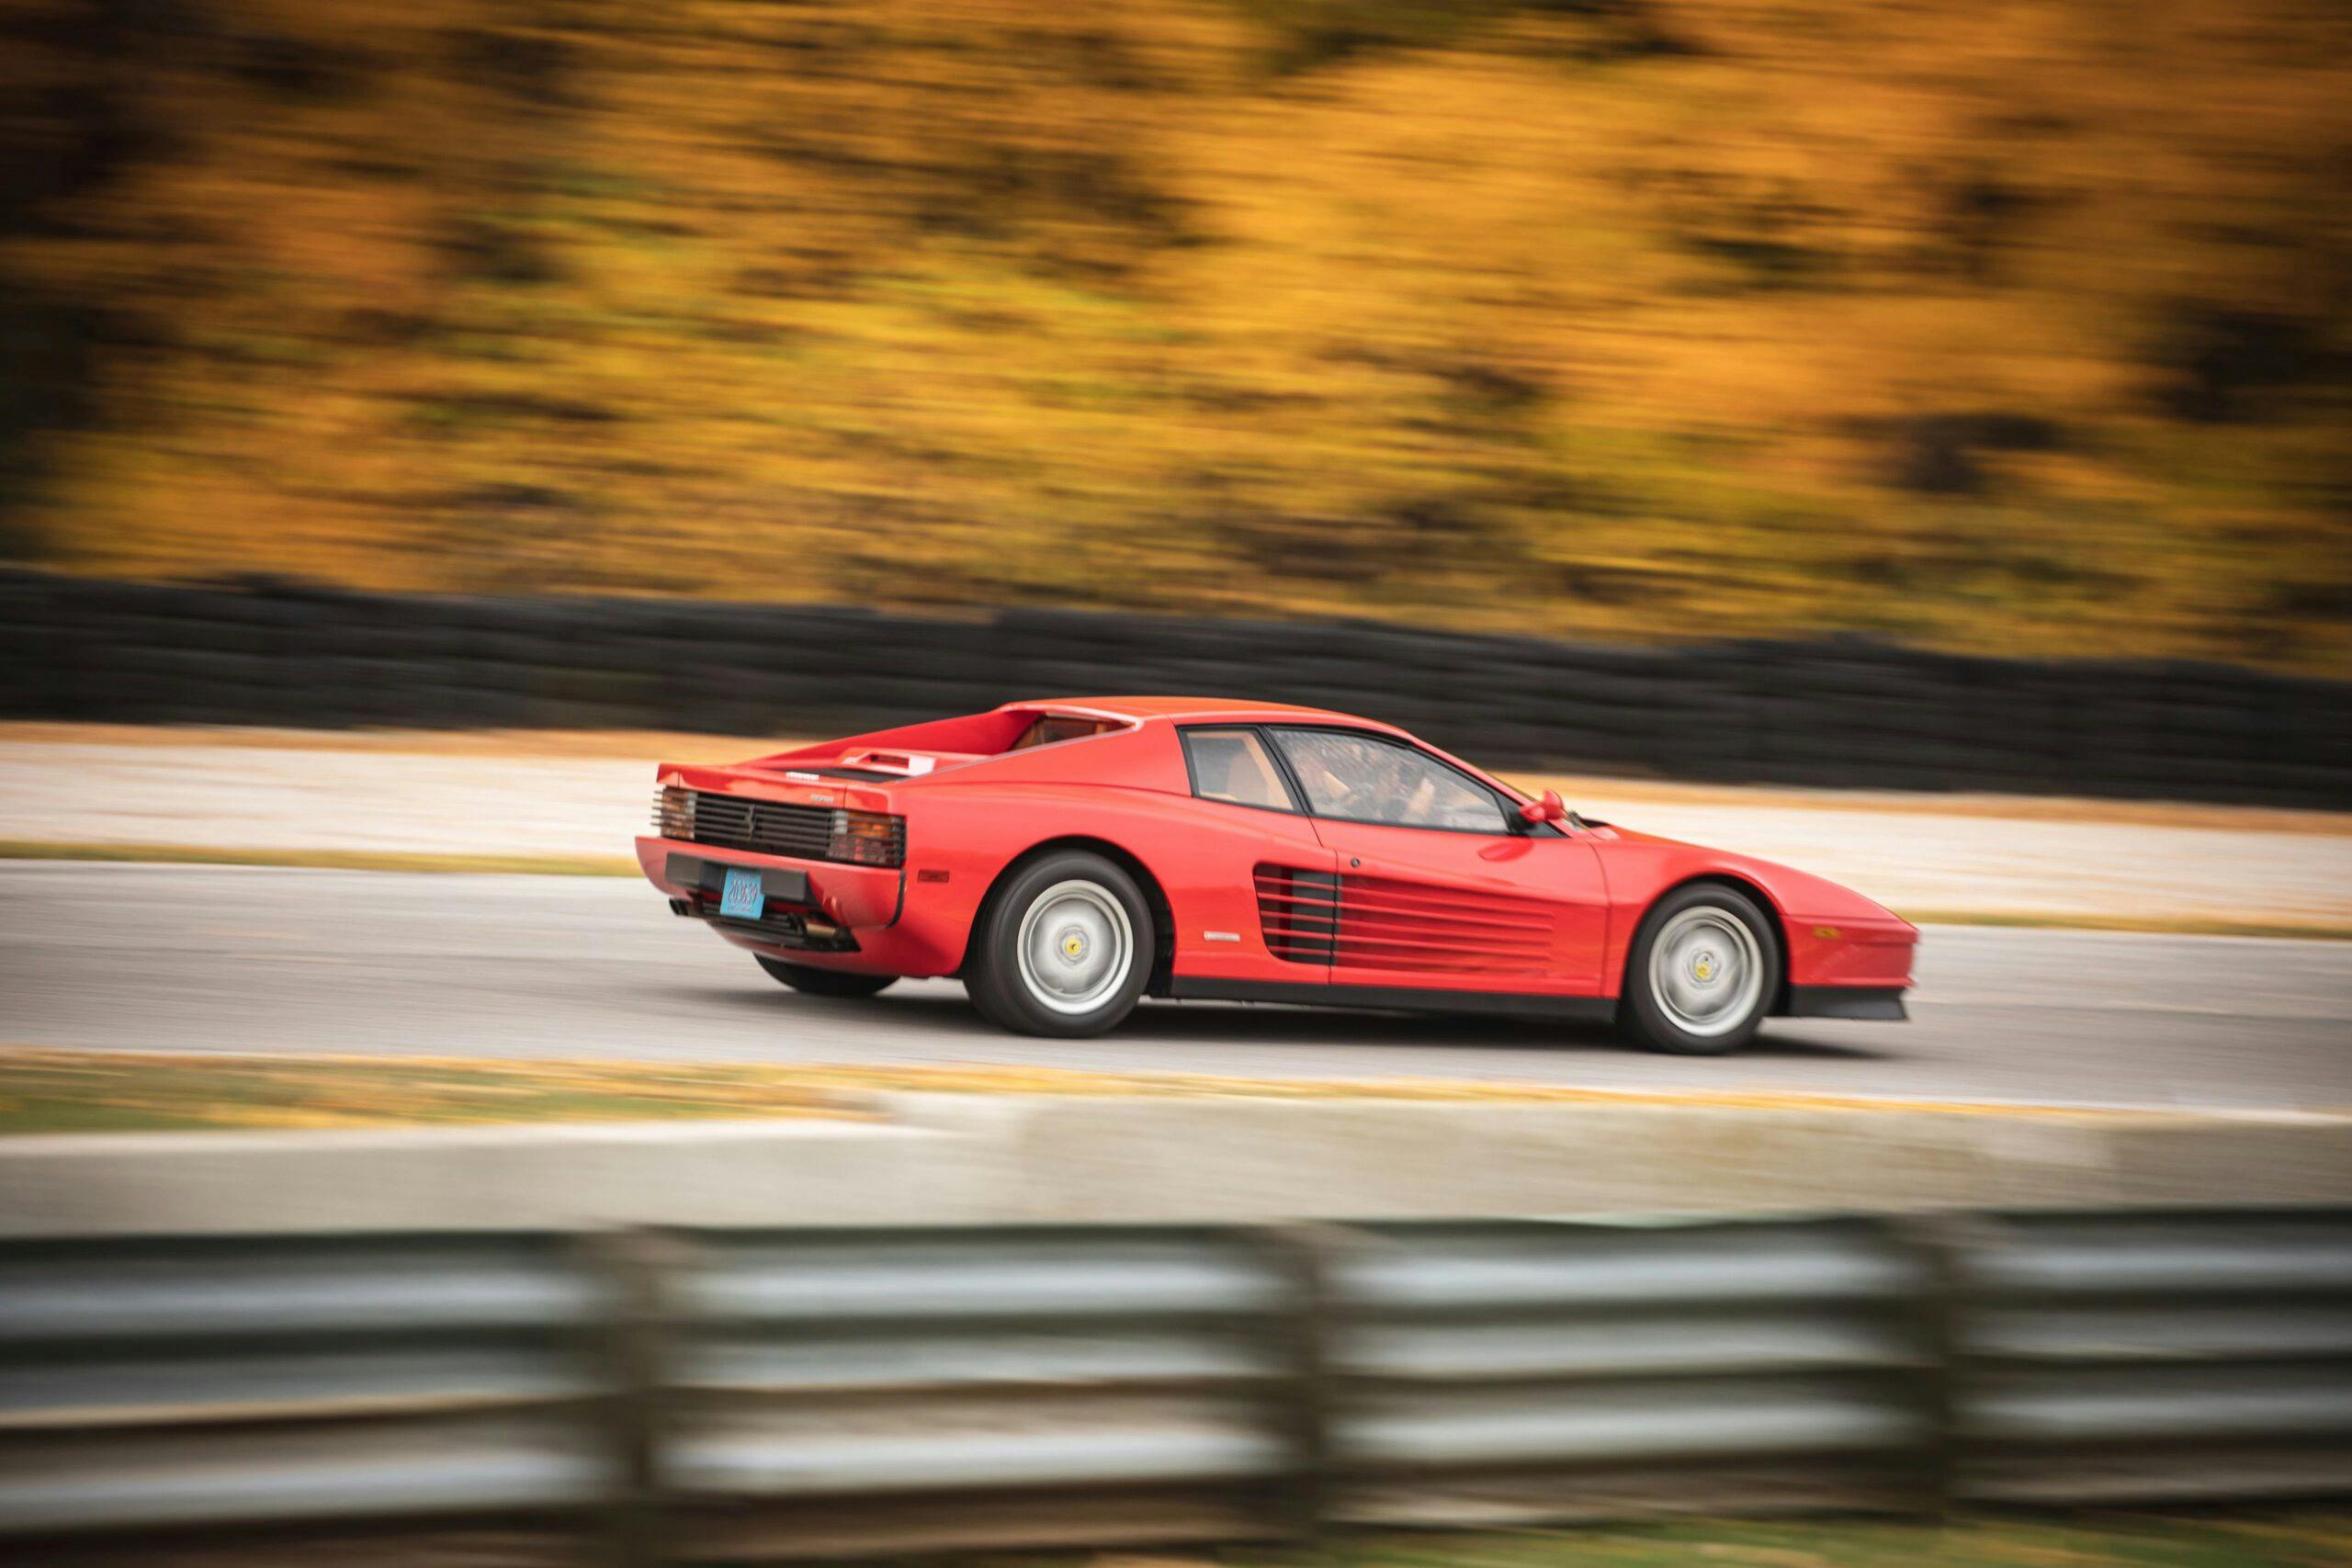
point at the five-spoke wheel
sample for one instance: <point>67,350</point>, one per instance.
<point>1066,948</point>
<point>1075,947</point>
<point>1702,973</point>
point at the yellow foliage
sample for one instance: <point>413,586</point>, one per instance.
<point>2015,326</point>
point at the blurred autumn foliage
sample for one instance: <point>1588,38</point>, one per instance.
<point>2019,327</point>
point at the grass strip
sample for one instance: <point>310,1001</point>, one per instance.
<point>102,1091</point>
<point>2285,1537</point>
<point>57,1089</point>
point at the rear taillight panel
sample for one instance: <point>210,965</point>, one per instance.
<point>673,812</point>
<point>868,837</point>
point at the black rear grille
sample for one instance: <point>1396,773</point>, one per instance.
<point>772,828</point>
<point>737,822</point>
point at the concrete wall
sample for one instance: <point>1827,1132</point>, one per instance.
<point>950,1159</point>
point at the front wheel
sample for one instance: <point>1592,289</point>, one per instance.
<point>1702,973</point>
<point>816,982</point>
<point>1066,948</point>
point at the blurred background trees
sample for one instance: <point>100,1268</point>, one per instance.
<point>2010,326</point>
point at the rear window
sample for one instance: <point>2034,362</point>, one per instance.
<point>1234,766</point>
<point>1051,727</point>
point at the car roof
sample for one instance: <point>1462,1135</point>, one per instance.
<point>1232,709</point>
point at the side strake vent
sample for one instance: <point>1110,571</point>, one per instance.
<point>1378,922</point>
<point>1299,912</point>
<point>1386,923</point>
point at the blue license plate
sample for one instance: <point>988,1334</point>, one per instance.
<point>744,897</point>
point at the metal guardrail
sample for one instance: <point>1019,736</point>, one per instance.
<point>1531,1371</point>
<point>2153,1358</point>
<point>185,1384</point>
<point>830,1392</point>
<point>740,1394</point>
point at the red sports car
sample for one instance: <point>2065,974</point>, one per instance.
<point>1067,858</point>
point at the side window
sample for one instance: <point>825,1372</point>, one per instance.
<point>1361,778</point>
<point>1232,765</point>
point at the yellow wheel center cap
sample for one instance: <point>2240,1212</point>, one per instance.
<point>1704,967</point>
<point>1073,946</point>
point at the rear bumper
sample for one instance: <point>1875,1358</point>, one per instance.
<point>1846,1001</point>
<point>864,903</point>
<point>789,917</point>
<point>857,897</point>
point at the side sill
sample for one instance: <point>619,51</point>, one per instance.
<point>1393,998</point>
<point>1884,1003</point>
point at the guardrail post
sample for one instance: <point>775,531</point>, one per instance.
<point>640,1268</point>
<point>1934,1242</point>
<point>1300,1255</point>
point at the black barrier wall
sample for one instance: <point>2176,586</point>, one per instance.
<point>1840,712</point>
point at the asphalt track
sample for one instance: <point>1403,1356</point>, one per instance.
<point>216,958</point>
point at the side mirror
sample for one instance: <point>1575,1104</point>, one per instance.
<point>1551,808</point>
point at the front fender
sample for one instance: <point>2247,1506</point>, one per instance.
<point>1830,935</point>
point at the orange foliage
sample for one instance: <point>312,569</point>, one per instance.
<point>2018,326</point>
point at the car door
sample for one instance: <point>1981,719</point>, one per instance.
<point>1255,879</point>
<point>1434,888</point>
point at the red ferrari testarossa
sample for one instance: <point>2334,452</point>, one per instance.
<point>1067,858</point>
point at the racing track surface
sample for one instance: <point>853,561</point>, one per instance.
<point>157,957</point>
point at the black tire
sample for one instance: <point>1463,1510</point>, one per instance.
<point>1081,891</point>
<point>1698,920</point>
<point>817,982</point>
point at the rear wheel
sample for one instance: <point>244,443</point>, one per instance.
<point>1704,970</point>
<point>1066,948</point>
<point>825,982</point>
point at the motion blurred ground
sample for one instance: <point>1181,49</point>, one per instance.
<point>573,802</point>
